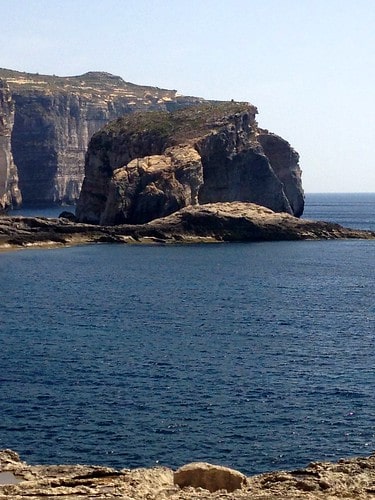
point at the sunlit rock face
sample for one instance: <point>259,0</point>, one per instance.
<point>54,119</point>
<point>149,165</point>
<point>9,192</point>
<point>153,186</point>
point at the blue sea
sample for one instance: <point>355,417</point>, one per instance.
<point>258,356</point>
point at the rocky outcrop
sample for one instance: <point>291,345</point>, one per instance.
<point>149,165</point>
<point>215,222</point>
<point>284,161</point>
<point>209,477</point>
<point>9,192</point>
<point>54,119</point>
<point>158,184</point>
<point>352,479</point>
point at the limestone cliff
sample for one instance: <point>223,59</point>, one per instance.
<point>9,192</point>
<point>284,161</point>
<point>54,119</point>
<point>149,165</point>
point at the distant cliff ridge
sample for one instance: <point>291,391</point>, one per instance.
<point>149,165</point>
<point>54,119</point>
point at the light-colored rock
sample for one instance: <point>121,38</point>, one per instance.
<point>208,476</point>
<point>351,479</point>
<point>153,186</point>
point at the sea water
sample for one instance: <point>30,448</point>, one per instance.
<point>256,356</point>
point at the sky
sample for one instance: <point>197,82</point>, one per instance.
<point>308,65</point>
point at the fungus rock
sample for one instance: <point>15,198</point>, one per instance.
<point>149,165</point>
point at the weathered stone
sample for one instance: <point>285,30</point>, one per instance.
<point>153,186</point>
<point>320,480</point>
<point>284,161</point>
<point>193,224</point>
<point>54,119</point>
<point>236,167</point>
<point>148,165</point>
<point>208,476</point>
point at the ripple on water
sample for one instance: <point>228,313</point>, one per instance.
<point>255,356</point>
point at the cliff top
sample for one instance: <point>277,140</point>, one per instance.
<point>91,83</point>
<point>183,124</point>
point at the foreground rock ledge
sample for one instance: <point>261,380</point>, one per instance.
<point>350,479</point>
<point>215,222</point>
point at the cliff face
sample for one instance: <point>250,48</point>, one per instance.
<point>9,192</point>
<point>54,119</point>
<point>284,162</point>
<point>147,166</point>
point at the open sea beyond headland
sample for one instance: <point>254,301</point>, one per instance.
<point>258,356</point>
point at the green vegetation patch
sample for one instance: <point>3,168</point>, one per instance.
<point>182,124</point>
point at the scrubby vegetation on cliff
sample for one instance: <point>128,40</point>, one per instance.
<point>182,124</point>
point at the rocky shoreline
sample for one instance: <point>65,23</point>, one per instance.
<point>215,222</point>
<point>348,478</point>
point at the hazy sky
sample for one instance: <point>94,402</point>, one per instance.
<point>308,65</point>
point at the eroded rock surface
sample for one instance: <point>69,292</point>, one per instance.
<point>352,479</point>
<point>209,477</point>
<point>153,186</point>
<point>216,148</point>
<point>213,222</point>
<point>284,161</point>
<point>54,119</point>
<point>9,192</point>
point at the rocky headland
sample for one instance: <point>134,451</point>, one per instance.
<point>171,169</point>
<point>213,222</point>
<point>352,479</point>
<point>149,165</point>
<point>46,122</point>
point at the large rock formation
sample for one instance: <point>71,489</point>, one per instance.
<point>9,192</point>
<point>54,119</point>
<point>148,165</point>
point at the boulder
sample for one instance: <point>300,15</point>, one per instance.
<point>208,476</point>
